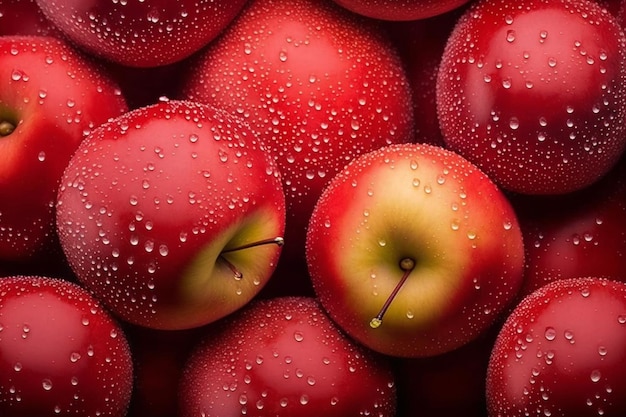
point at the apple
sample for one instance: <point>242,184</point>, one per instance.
<point>535,94</point>
<point>562,352</point>
<point>319,85</point>
<point>414,251</point>
<point>172,214</point>
<point>141,33</point>
<point>577,234</point>
<point>61,352</point>
<point>50,98</point>
<point>405,10</point>
<point>284,357</point>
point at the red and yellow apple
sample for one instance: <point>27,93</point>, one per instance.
<point>172,214</point>
<point>414,251</point>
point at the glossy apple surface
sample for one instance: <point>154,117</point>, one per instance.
<point>50,98</point>
<point>153,205</point>
<point>61,353</point>
<point>429,206</point>
<point>562,352</point>
<point>402,10</point>
<point>319,85</point>
<point>284,357</point>
<point>141,33</point>
<point>535,95</point>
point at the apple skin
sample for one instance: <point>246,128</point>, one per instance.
<point>405,10</point>
<point>61,352</point>
<point>577,234</point>
<point>53,96</point>
<point>428,204</point>
<point>140,33</point>
<point>150,201</point>
<point>284,357</point>
<point>535,95</point>
<point>562,352</point>
<point>321,87</point>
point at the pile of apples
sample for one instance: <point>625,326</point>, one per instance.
<point>312,208</point>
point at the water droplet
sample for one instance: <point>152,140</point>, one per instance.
<point>46,384</point>
<point>595,375</point>
<point>298,336</point>
<point>550,333</point>
<point>510,36</point>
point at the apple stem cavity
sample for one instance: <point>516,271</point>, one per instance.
<point>406,265</point>
<point>6,128</point>
<point>279,241</point>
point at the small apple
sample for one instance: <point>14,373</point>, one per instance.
<point>562,352</point>
<point>534,94</point>
<point>319,85</point>
<point>61,353</point>
<point>50,98</point>
<point>284,357</point>
<point>172,214</point>
<point>414,251</point>
<point>141,33</point>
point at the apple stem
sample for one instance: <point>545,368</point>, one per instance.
<point>279,241</point>
<point>407,265</point>
<point>276,240</point>
<point>6,128</point>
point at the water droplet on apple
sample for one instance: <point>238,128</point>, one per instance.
<point>595,375</point>
<point>550,333</point>
<point>46,384</point>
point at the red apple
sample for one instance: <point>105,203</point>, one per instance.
<point>533,93</point>
<point>61,353</point>
<point>562,353</point>
<point>50,98</point>
<point>319,85</point>
<point>141,33</point>
<point>577,234</point>
<point>404,10</point>
<point>284,357</point>
<point>414,251</point>
<point>172,214</point>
